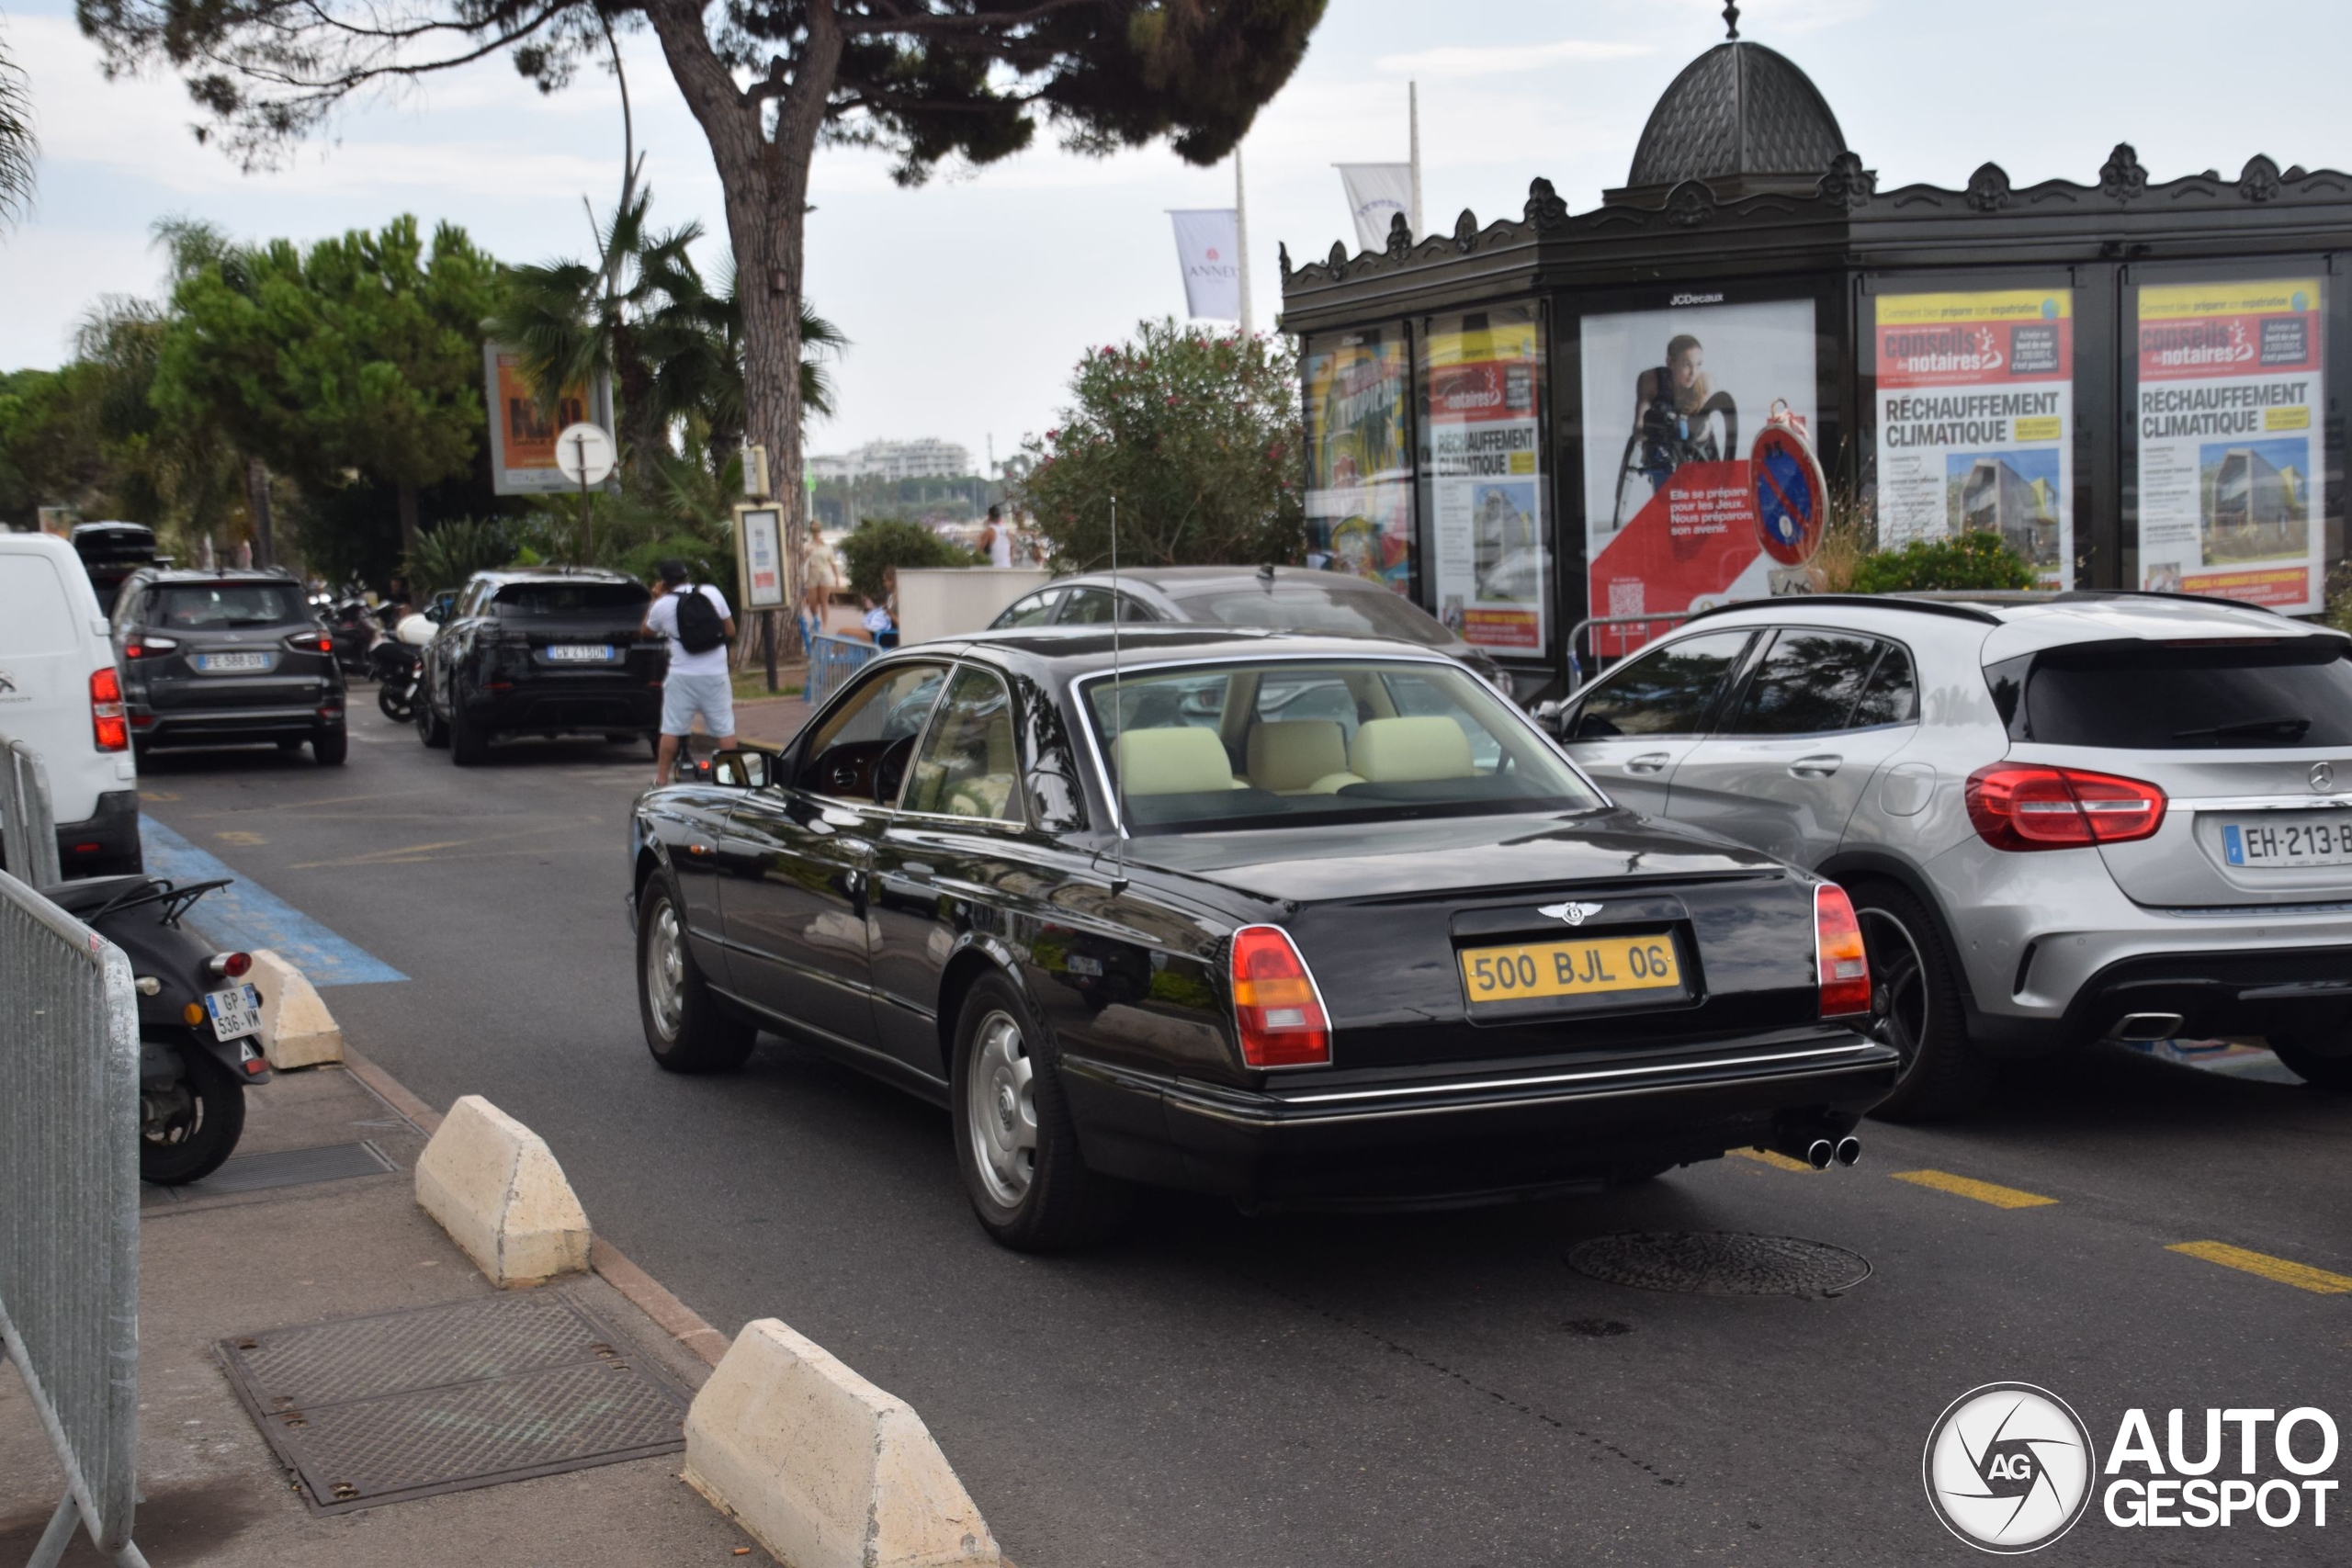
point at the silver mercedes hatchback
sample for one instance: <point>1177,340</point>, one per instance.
<point>2063,818</point>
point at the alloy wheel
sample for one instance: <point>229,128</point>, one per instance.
<point>1898,984</point>
<point>665,971</point>
<point>1000,1112</point>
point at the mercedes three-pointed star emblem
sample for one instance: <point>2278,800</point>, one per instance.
<point>2322,777</point>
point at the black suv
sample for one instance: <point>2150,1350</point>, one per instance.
<point>212,658</point>
<point>548,650</point>
<point>110,552</point>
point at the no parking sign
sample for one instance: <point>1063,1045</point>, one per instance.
<point>1792,496</point>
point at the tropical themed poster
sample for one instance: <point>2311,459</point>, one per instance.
<point>1672,401</point>
<point>2231,460</point>
<point>1481,448</point>
<point>1360,471</point>
<point>1975,421</point>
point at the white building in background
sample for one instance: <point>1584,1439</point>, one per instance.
<point>925,459</point>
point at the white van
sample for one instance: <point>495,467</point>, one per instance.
<point>59,694</point>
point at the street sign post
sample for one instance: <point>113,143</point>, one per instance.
<point>759,570</point>
<point>584,452</point>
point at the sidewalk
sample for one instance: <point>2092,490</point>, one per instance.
<point>775,720</point>
<point>218,1262</point>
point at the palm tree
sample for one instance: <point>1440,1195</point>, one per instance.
<point>642,314</point>
<point>17,144</point>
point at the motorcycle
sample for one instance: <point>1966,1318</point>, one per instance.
<point>352,629</point>
<point>398,664</point>
<point>199,1022</point>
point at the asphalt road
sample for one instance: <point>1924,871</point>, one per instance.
<point>1437,1388</point>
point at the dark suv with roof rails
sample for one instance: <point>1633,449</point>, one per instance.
<point>220,658</point>
<point>544,651</point>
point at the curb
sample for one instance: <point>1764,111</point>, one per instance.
<point>643,1291</point>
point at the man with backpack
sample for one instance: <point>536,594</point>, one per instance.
<point>694,620</point>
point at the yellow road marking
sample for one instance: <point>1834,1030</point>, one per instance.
<point>2302,1275</point>
<point>157,794</point>
<point>1769,1156</point>
<point>375,857</point>
<point>1969,1187</point>
<point>237,836</point>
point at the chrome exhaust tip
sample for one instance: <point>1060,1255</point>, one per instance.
<point>2144,1027</point>
<point>1819,1152</point>
<point>1849,1150</point>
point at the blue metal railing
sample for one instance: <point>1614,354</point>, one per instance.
<point>831,660</point>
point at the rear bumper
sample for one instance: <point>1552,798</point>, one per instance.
<point>105,843</point>
<point>213,726</point>
<point>560,704</point>
<point>2305,992</point>
<point>1370,1139</point>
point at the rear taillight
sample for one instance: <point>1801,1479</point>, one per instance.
<point>229,965</point>
<point>2025,806</point>
<point>150,647</point>
<point>310,642</point>
<point>1845,967</point>
<point>107,724</point>
<point>1276,1008</point>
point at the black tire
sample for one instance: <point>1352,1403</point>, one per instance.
<point>2333,1074</point>
<point>469,741</point>
<point>330,747</point>
<point>390,704</point>
<point>685,1027</point>
<point>1917,1007</point>
<point>1044,1199</point>
<point>429,728</point>
<point>186,1130</point>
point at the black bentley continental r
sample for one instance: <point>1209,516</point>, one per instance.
<point>1293,921</point>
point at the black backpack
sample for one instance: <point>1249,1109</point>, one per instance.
<point>699,628</point>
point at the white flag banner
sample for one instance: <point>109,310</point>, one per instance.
<point>1210,253</point>
<point>1376,193</point>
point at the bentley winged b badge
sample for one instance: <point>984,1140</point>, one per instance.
<point>1573,914</point>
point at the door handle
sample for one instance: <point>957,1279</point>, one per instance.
<point>1819,767</point>
<point>1649,762</point>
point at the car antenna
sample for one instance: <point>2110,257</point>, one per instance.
<point>1118,723</point>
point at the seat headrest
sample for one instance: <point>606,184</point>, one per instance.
<point>1176,761</point>
<point>1291,753</point>
<point>1406,750</point>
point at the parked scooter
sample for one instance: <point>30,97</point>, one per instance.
<point>199,1022</point>
<point>398,664</point>
<point>353,628</point>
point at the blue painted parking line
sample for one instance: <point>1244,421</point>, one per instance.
<point>249,916</point>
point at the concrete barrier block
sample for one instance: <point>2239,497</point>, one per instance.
<point>822,1468</point>
<point>296,1029</point>
<point>495,1187</point>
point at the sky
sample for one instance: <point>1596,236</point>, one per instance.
<point>968,299</point>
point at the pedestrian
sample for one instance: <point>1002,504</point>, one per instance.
<point>996,539</point>
<point>819,578</point>
<point>879,624</point>
<point>694,620</point>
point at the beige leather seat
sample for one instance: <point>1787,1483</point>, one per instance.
<point>1176,761</point>
<point>990,794</point>
<point>1408,751</point>
<point>1291,756</point>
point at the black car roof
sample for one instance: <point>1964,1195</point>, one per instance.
<point>1079,650</point>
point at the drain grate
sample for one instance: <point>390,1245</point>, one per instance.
<point>371,1410</point>
<point>1720,1263</point>
<point>290,1167</point>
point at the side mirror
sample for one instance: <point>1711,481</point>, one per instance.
<point>1552,715</point>
<point>741,770</point>
<point>436,614</point>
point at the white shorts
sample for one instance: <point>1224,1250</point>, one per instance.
<point>713,696</point>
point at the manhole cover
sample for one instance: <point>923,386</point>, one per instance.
<point>373,1410</point>
<point>1720,1263</point>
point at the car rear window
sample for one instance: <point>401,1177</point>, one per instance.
<point>522,600</point>
<point>2175,697</point>
<point>1290,605</point>
<point>203,606</point>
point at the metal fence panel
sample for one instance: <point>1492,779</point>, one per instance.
<point>27,830</point>
<point>69,1202</point>
<point>831,661</point>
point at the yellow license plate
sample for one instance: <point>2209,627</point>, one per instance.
<point>1578,968</point>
